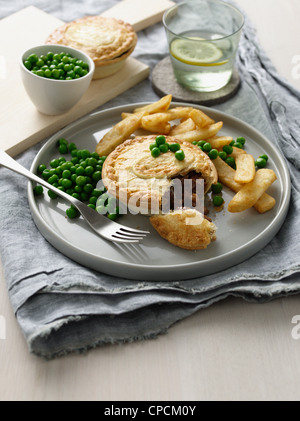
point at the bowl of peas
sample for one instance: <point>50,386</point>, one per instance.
<point>55,77</point>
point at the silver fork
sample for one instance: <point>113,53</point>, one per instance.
<point>103,226</point>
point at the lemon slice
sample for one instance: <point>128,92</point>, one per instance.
<point>204,53</point>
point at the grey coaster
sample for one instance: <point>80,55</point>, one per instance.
<point>164,83</point>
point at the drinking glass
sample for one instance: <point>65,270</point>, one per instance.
<point>203,38</point>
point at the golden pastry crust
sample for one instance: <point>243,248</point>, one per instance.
<point>131,174</point>
<point>104,39</point>
<point>185,228</point>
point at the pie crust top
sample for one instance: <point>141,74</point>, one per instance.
<point>103,39</point>
<point>130,171</point>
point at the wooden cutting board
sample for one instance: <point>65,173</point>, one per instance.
<point>21,125</point>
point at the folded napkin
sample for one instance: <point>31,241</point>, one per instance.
<point>63,307</point>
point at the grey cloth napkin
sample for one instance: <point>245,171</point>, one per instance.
<point>63,307</point>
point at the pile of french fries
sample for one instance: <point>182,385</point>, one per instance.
<point>190,124</point>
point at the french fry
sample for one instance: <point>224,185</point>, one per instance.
<point>200,118</point>
<point>265,203</point>
<point>201,134</point>
<point>217,142</point>
<point>118,133</point>
<point>226,176</point>
<point>185,126</point>
<point>159,106</point>
<point>156,126</point>
<point>249,194</point>
<point>245,168</point>
<point>236,152</point>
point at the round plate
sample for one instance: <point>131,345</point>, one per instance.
<point>239,236</point>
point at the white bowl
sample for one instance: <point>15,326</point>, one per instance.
<point>54,96</point>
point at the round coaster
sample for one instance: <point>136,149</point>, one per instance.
<point>164,83</point>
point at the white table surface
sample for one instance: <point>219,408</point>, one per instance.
<point>233,350</point>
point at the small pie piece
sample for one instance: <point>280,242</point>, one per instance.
<point>108,41</point>
<point>185,228</point>
<point>144,183</point>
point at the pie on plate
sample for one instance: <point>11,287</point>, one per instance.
<point>141,182</point>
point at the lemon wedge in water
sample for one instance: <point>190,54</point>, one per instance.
<point>202,53</point>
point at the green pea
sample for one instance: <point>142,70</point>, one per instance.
<point>223,155</point>
<point>91,161</point>
<point>66,174</point>
<point>98,192</point>
<point>80,170</point>
<point>90,205</point>
<point>112,216</point>
<point>261,162</point>
<point>241,140</point>
<point>28,64</point>
<point>207,147</point>
<point>180,155</point>
<point>72,212</point>
<point>228,149</point>
<point>66,183</point>
<point>97,175</point>
<point>230,161</point>
<point>53,179</point>
<point>201,143</point>
<point>217,187</point>
<point>264,157</point>
<point>218,200</point>
<point>155,152</point>
<point>52,195</point>
<point>38,190</point>
<point>63,149</point>
<point>84,197</point>
<point>93,200</point>
<point>174,147</point>
<point>152,145</point>
<point>238,145</point>
<point>41,168</point>
<point>213,153</point>
<point>88,188</point>
<point>89,170</point>
<point>160,140</point>
<point>76,195</point>
<point>81,180</point>
<point>164,147</point>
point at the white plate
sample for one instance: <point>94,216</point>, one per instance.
<point>239,236</point>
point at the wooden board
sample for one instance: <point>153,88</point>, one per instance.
<point>21,125</point>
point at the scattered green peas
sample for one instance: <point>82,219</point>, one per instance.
<point>78,177</point>
<point>61,66</point>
